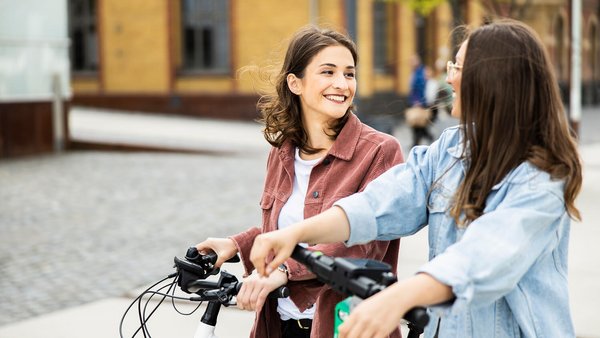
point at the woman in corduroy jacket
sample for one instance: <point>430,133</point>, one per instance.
<point>321,152</point>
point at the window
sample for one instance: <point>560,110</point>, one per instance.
<point>83,35</point>
<point>559,49</point>
<point>595,51</point>
<point>384,42</point>
<point>205,35</point>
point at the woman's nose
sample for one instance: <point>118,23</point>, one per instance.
<point>340,82</point>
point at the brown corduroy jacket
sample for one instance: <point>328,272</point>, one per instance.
<point>358,155</point>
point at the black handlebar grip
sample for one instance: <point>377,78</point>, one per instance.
<point>233,259</point>
<point>280,292</point>
<point>302,255</point>
<point>210,257</point>
<point>417,316</point>
<point>192,253</point>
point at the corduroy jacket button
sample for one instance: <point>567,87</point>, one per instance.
<point>316,194</point>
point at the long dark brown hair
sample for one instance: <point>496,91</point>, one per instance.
<point>511,112</point>
<point>280,111</point>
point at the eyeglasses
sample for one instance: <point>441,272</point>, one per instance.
<point>452,68</point>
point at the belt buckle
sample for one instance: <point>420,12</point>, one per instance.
<point>301,326</point>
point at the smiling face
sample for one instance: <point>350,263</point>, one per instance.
<point>328,85</point>
<point>454,79</point>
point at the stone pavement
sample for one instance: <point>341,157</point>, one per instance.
<point>82,231</point>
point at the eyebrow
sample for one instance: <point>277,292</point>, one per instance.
<point>335,66</point>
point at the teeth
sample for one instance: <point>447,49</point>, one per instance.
<point>337,98</point>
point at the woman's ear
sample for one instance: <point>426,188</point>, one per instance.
<point>293,83</point>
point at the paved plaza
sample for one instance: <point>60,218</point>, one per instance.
<point>81,231</point>
<point>87,225</point>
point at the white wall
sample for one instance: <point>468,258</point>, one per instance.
<point>34,48</point>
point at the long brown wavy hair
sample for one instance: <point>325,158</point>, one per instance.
<point>511,112</point>
<point>281,112</point>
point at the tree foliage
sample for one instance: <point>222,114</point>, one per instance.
<point>422,7</point>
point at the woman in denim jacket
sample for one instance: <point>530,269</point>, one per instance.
<point>497,192</point>
<point>321,152</point>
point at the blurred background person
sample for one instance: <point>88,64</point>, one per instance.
<point>443,100</point>
<point>432,88</point>
<point>417,99</point>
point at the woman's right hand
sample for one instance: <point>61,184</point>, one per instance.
<point>225,248</point>
<point>330,226</point>
<point>277,244</point>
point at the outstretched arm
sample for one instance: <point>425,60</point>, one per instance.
<point>327,227</point>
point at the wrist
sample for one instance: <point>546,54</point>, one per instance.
<point>283,273</point>
<point>284,269</point>
<point>232,246</point>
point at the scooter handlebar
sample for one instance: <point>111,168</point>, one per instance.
<point>338,273</point>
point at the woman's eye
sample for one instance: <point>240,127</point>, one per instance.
<point>328,72</point>
<point>350,75</point>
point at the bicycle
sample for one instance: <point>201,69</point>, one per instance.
<point>190,276</point>
<point>360,278</point>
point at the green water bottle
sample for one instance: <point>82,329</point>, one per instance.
<point>342,311</point>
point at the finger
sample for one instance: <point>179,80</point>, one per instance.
<point>204,247</point>
<point>364,327</point>
<point>258,255</point>
<point>200,247</point>
<point>220,261</point>
<point>349,330</point>
<point>242,297</point>
<point>279,259</point>
<point>343,330</point>
<point>262,297</point>
<point>253,299</point>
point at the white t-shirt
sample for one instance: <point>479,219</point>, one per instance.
<point>293,212</point>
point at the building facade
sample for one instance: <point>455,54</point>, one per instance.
<point>184,56</point>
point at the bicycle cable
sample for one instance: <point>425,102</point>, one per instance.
<point>142,314</point>
<point>170,293</point>
<point>139,297</point>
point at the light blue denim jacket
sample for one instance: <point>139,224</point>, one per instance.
<point>507,269</point>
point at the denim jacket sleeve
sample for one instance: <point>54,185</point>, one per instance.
<point>521,225</point>
<point>394,204</point>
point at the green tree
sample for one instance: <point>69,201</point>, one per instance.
<point>423,7</point>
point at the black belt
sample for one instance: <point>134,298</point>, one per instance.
<point>303,323</point>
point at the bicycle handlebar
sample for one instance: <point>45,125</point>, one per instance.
<point>210,290</point>
<point>193,270</point>
<point>356,277</point>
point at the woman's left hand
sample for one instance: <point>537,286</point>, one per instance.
<point>256,288</point>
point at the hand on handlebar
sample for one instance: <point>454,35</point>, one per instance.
<point>376,316</point>
<point>256,288</point>
<point>225,248</point>
<point>277,244</point>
